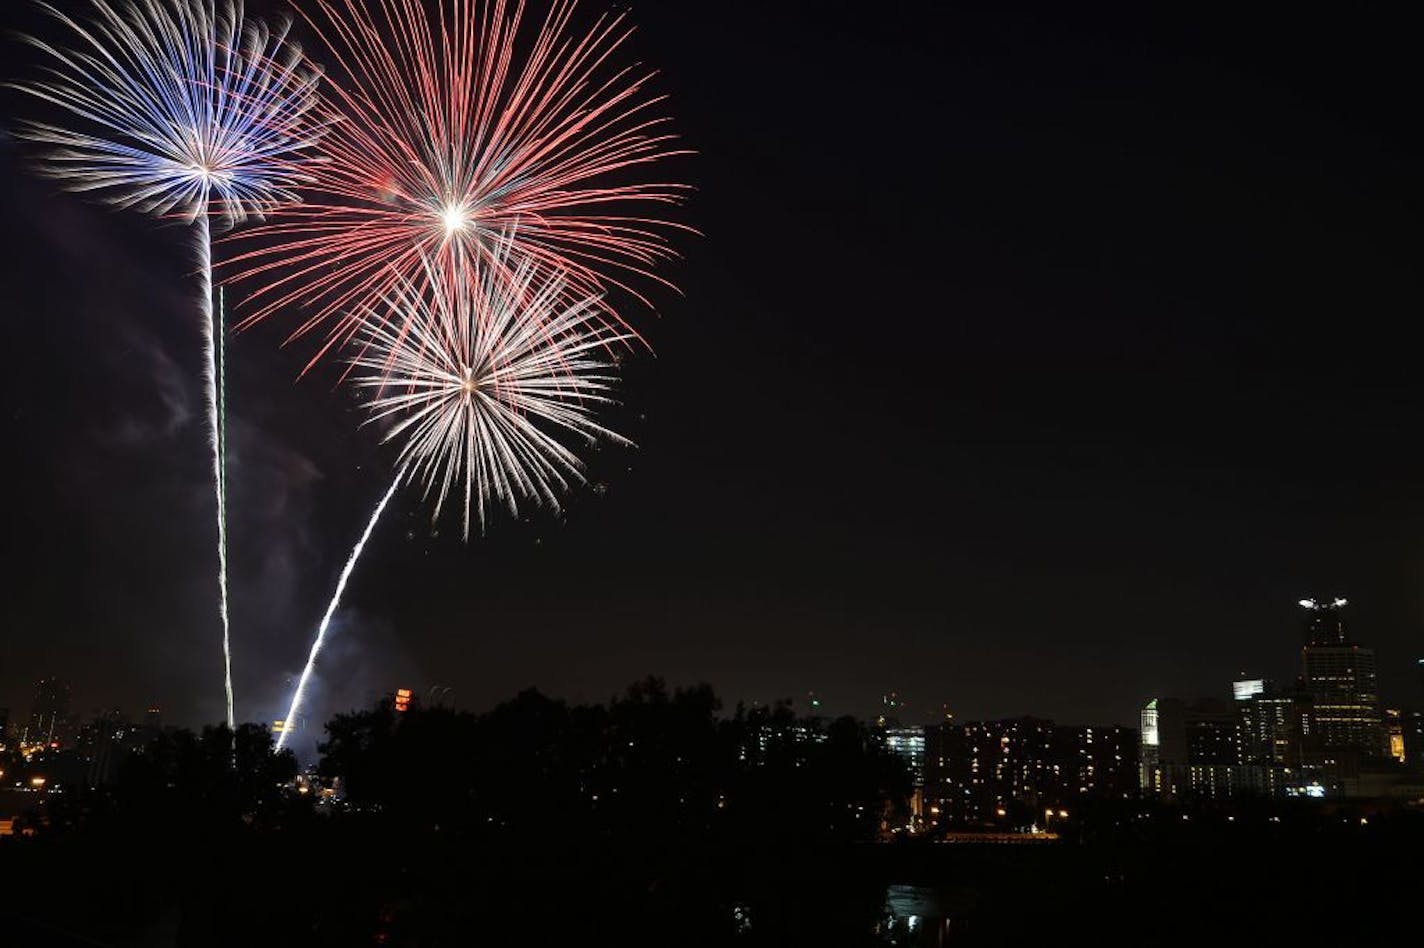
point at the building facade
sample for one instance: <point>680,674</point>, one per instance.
<point>1340,675</point>
<point>1004,772</point>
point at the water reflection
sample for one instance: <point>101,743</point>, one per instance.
<point>912,917</point>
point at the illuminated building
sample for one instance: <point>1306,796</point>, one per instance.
<point>976,770</point>
<point>1149,751</point>
<point>1340,677</point>
<point>1193,748</point>
<point>1094,761</point>
<point>1000,772</point>
<point>1274,733</point>
<point>946,790</point>
<point>1394,733</point>
<point>1411,728</point>
<point>908,744</point>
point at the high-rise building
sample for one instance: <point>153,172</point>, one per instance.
<point>993,771</point>
<point>1340,677</point>
<point>49,712</point>
<point>1193,748</point>
<point>1094,761</point>
<point>975,772</point>
<point>908,744</point>
<point>1274,730</point>
<point>1149,753</point>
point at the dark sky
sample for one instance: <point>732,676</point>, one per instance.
<point>1033,360</point>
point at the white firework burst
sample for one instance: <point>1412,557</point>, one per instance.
<point>486,375</point>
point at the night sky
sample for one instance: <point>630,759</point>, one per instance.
<point>1031,360</point>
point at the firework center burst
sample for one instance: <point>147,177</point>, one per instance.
<point>455,218</point>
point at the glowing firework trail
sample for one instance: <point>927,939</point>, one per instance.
<point>184,111</point>
<point>291,719</point>
<point>479,376</point>
<point>444,132</point>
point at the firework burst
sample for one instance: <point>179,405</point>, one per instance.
<point>481,376</point>
<point>447,131</point>
<point>184,109</point>
<point>180,109</point>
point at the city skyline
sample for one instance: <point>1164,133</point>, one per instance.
<point>1323,625</point>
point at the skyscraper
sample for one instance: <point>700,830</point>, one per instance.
<point>1193,748</point>
<point>1275,728</point>
<point>908,744</point>
<point>1340,677</point>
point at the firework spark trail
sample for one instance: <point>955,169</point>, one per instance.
<point>290,721</point>
<point>446,131</point>
<point>213,383</point>
<point>185,110</point>
<point>478,376</point>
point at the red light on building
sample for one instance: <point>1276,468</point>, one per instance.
<point>402,699</point>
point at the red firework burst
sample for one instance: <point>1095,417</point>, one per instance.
<point>446,134</point>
